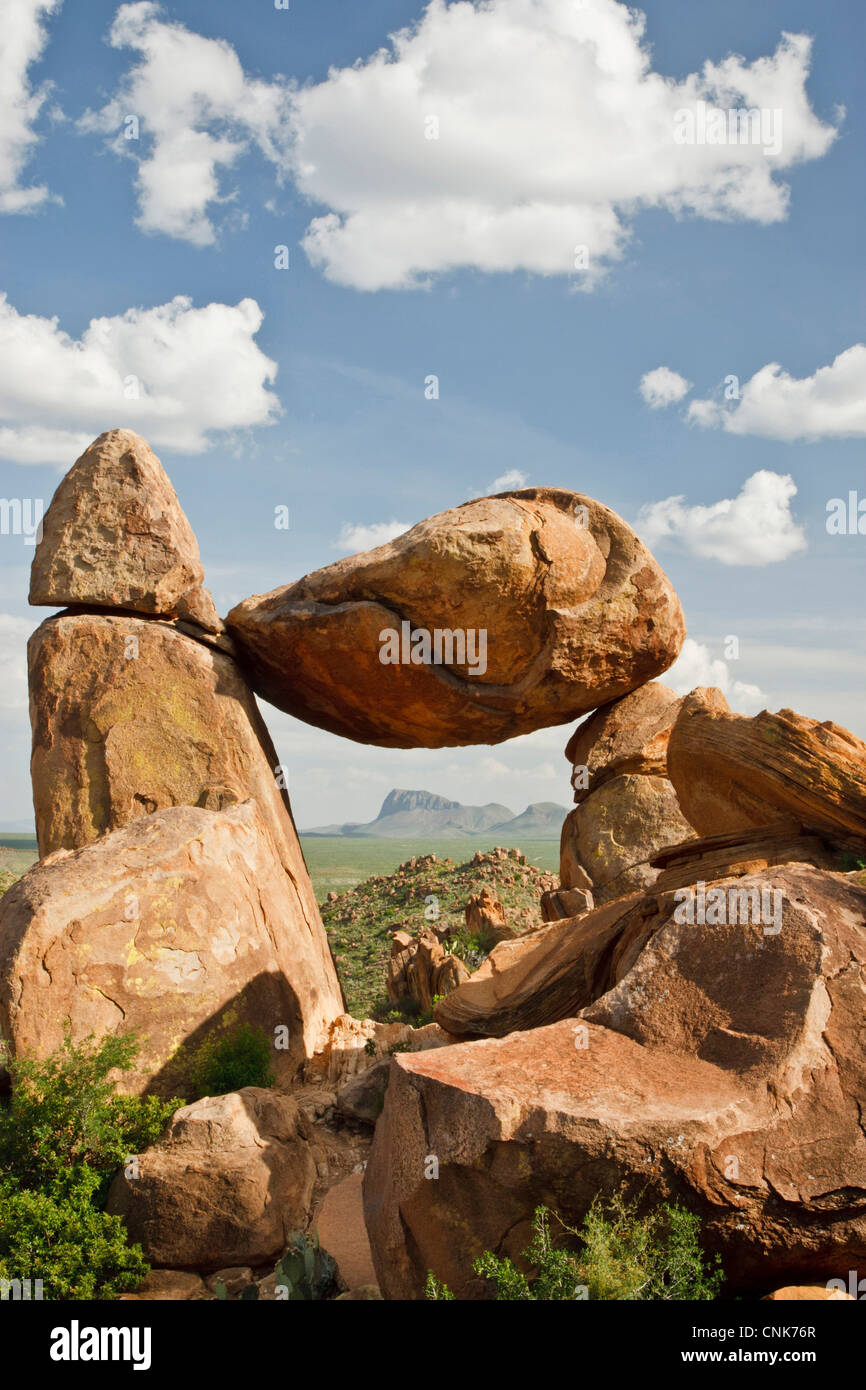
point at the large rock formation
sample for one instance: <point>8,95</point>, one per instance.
<point>731,772</point>
<point>178,927</point>
<point>573,609</point>
<point>229,1181</point>
<point>115,536</point>
<point>725,1070</point>
<point>627,809</point>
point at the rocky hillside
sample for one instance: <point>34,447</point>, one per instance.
<point>360,923</point>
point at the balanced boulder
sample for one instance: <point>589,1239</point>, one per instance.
<point>178,927</point>
<point>731,772</point>
<point>115,536</point>
<point>508,614</point>
<point>724,1071</point>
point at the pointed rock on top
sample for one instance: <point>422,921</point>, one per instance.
<point>115,536</point>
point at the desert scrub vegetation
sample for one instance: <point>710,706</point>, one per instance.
<point>64,1133</point>
<point>615,1254</point>
<point>361,921</point>
<point>238,1059</point>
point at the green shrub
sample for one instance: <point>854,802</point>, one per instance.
<point>238,1059</point>
<point>63,1135</point>
<point>619,1255</point>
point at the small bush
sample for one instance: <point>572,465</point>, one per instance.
<point>620,1256</point>
<point>238,1059</point>
<point>63,1135</point>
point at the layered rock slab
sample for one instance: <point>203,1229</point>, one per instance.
<point>725,1070</point>
<point>574,610</point>
<point>178,927</point>
<point>732,772</point>
<point>115,536</point>
<point>227,1183</point>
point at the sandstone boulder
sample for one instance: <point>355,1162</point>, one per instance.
<point>609,839</point>
<point>225,1186</point>
<point>574,610</point>
<point>485,918</point>
<point>725,1070</point>
<point>131,716</point>
<point>421,968</point>
<point>539,978</point>
<point>177,927</point>
<point>629,736</point>
<point>557,903</point>
<point>732,773</point>
<point>114,536</point>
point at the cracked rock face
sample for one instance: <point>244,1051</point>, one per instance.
<point>226,1185</point>
<point>574,615</point>
<point>115,536</point>
<point>179,927</point>
<point>725,1069</point>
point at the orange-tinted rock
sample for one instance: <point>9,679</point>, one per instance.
<point>539,978</point>
<point>732,772</point>
<point>627,809</point>
<point>629,736</point>
<point>725,1071</point>
<point>573,616</point>
<point>178,927</point>
<point>609,839</point>
<point>225,1186</point>
<point>115,536</point>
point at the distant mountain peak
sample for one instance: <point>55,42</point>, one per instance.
<point>399,800</point>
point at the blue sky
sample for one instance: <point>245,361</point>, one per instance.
<point>441,257</point>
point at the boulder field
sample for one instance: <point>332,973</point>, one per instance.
<point>683,1022</point>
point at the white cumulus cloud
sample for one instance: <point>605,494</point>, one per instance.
<point>198,113</point>
<point>830,404</point>
<point>526,134</point>
<point>754,528</point>
<point>175,373</point>
<point>510,481</point>
<point>354,538</point>
<point>695,666</point>
<point>662,387</point>
<point>23,35</point>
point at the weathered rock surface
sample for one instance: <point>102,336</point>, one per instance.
<point>225,1186</point>
<point>609,839</point>
<point>485,917</point>
<point>732,772</point>
<point>115,536</point>
<point>725,1070</point>
<point>420,968</point>
<point>557,903</point>
<point>574,616</point>
<point>629,736</point>
<point>627,809</point>
<point>808,1293</point>
<point>176,927</point>
<point>546,975</point>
